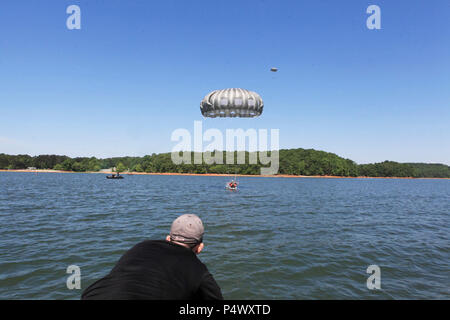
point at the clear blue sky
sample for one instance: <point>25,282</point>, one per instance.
<point>137,70</point>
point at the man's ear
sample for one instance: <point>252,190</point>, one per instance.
<point>168,238</point>
<point>199,248</point>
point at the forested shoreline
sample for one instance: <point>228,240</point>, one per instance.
<point>306,162</point>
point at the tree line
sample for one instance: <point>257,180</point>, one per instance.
<point>306,162</point>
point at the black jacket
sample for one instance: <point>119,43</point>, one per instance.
<point>156,270</point>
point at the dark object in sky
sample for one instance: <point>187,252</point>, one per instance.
<point>231,103</point>
<point>274,69</point>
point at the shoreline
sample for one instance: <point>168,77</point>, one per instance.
<point>213,174</point>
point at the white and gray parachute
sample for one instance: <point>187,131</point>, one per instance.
<point>233,102</point>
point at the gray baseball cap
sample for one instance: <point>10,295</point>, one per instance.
<point>187,228</point>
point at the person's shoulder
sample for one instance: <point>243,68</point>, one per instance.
<point>163,244</point>
<point>152,242</point>
<point>145,244</point>
<point>200,265</point>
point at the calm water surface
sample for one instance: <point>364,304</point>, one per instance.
<point>275,238</point>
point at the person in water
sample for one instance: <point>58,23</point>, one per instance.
<point>161,269</point>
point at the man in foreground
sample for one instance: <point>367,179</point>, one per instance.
<point>162,270</point>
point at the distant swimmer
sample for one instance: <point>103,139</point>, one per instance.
<point>161,269</point>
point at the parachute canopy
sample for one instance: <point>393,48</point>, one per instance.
<point>274,69</point>
<point>232,103</point>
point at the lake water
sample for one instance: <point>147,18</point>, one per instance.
<point>275,238</point>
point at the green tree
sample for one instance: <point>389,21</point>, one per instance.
<point>76,166</point>
<point>59,167</point>
<point>120,167</point>
<point>67,165</point>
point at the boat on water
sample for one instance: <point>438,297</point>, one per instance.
<point>114,176</point>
